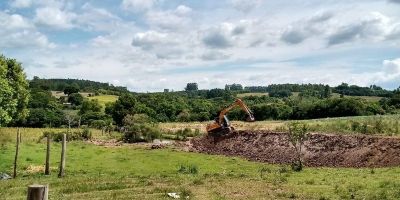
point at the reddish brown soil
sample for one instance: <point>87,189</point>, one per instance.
<point>319,150</point>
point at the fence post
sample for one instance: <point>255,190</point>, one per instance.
<point>63,149</point>
<point>38,192</point>
<point>47,168</point>
<point>16,154</point>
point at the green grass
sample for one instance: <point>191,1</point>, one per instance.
<point>103,99</point>
<point>136,172</point>
<point>257,94</point>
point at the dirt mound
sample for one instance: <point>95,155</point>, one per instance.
<point>319,150</point>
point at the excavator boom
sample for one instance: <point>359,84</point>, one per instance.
<point>221,125</point>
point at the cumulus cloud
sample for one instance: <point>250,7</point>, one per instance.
<point>216,39</point>
<point>97,19</point>
<point>394,1</point>
<point>170,19</point>
<point>214,55</point>
<point>222,36</point>
<point>374,26</point>
<point>391,67</point>
<point>245,5</point>
<point>54,17</point>
<point>18,32</point>
<point>300,30</point>
<point>161,45</point>
<point>138,5</point>
<point>21,3</point>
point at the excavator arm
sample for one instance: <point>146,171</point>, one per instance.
<point>221,123</point>
<point>243,106</point>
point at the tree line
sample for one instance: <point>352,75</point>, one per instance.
<point>31,103</point>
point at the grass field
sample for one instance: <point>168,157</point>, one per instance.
<point>257,94</point>
<point>135,172</point>
<point>103,99</point>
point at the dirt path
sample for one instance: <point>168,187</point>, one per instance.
<point>320,149</point>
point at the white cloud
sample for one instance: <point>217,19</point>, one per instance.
<point>21,3</point>
<point>391,67</point>
<point>19,32</point>
<point>54,17</point>
<point>137,5</point>
<point>170,19</point>
<point>245,5</point>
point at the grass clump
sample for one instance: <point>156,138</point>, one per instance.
<point>188,169</point>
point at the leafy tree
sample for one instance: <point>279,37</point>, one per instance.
<point>280,93</point>
<point>75,99</point>
<point>123,106</point>
<point>298,133</point>
<point>191,87</point>
<point>234,87</point>
<point>90,106</point>
<point>14,93</point>
<point>71,89</point>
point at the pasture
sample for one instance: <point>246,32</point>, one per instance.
<point>135,171</point>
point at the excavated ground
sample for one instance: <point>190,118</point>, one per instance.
<point>319,150</point>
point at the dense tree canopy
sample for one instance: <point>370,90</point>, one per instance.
<point>14,93</point>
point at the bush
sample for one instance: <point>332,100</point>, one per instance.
<point>82,135</point>
<point>141,133</point>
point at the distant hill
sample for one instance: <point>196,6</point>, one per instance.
<point>83,85</point>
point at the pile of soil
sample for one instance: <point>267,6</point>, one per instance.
<point>319,150</point>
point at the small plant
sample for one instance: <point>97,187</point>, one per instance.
<point>188,169</point>
<point>298,133</point>
<point>263,171</point>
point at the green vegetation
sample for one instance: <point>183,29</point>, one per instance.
<point>105,99</point>
<point>14,94</point>
<point>135,172</point>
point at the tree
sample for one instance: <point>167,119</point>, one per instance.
<point>75,99</point>
<point>298,133</point>
<point>70,89</point>
<point>14,93</point>
<point>280,93</point>
<point>90,106</point>
<point>123,106</point>
<point>191,87</point>
<point>327,92</point>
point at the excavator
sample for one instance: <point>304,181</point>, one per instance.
<point>221,126</point>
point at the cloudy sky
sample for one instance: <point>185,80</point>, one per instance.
<point>149,45</point>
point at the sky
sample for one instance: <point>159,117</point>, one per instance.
<point>149,45</point>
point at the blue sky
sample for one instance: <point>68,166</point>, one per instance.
<point>149,45</point>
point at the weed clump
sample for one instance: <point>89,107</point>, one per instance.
<point>82,135</point>
<point>188,169</point>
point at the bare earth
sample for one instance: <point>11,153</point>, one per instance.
<point>319,150</point>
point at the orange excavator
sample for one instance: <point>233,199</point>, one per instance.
<point>221,126</point>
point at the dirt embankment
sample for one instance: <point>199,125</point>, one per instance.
<point>319,150</point>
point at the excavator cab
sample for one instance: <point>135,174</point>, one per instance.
<point>221,125</point>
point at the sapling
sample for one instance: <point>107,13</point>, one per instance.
<point>298,133</point>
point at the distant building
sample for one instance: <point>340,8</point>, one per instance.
<point>166,90</point>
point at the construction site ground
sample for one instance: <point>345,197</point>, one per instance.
<point>319,150</point>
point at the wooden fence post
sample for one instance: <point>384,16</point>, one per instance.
<point>16,154</point>
<point>20,136</point>
<point>63,150</point>
<point>38,192</point>
<point>47,168</point>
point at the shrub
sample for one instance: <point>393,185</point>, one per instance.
<point>141,133</point>
<point>298,133</point>
<point>84,134</point>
